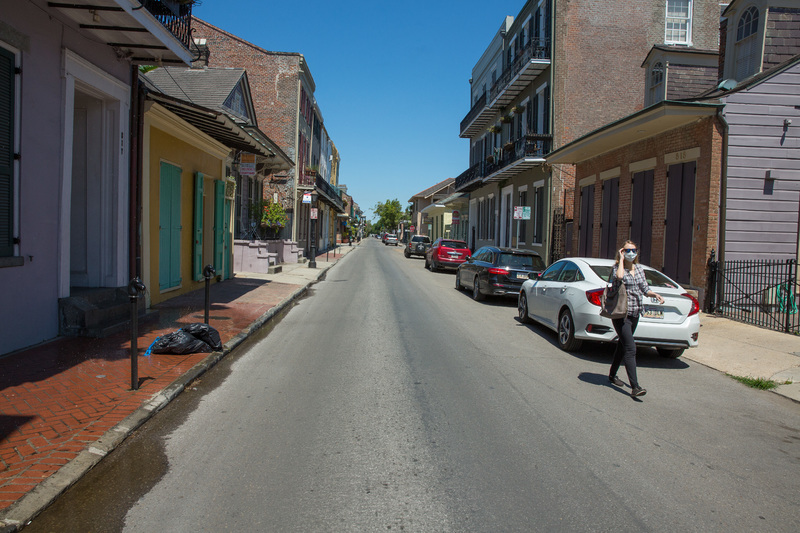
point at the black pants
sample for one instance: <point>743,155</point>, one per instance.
<point>626,348</point>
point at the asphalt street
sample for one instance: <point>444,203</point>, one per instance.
<point>388,400</point>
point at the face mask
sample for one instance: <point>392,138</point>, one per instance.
<point>630,255</point>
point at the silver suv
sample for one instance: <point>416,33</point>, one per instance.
<point>418,245</point>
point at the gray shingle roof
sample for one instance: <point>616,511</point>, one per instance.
<point>207,87</point>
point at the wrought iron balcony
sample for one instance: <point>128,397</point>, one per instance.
<point>531,62</point>
<point>522,154</point>
<point>330,192</point>
<point>306,178</point>
<point>474,112</point>
<point>156,32</point>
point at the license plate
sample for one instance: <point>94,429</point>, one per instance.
<point>653,312</point>
<point>522,276</point>
<point>454,254</point>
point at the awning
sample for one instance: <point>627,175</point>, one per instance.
<point>649,122</point>
<point>434,209</point>
<point>456,199</point>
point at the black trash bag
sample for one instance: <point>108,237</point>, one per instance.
<point>179,342</point>
<point>205,333</point>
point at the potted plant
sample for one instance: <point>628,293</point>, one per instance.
<point>490,159</point>
<point>506,119</point>
<point>494,129</point>
<point>508,146</point>
<point>517,109</point>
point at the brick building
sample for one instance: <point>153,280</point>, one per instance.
<point>716,172</point>
<point>551,74</point>
<point>282,89</point>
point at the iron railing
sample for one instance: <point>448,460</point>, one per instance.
<point>758,292</point>
<point>330,192</point>
<point>530,145</point>
<point>474,112</point>
<point>536,49</point>
<point>175,16</point>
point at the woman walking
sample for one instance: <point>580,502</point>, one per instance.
<point>627,270</point>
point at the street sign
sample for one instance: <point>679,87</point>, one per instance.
<point>313,213</point>
<point>522,212</point>
<point>412,228</point>
<point>456,217</point>
<point>247,164</point>
<point>306,197</point>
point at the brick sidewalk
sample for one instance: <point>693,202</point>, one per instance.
<point>58,398</point>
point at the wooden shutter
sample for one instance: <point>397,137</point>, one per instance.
<point>169,228</point>
<point>219,226</point>
<point>642,213</point>
<point>586,221</point>
<point>608,224</point>
<point>7,99</point>
<point>197,243</point>
<point>680,220</point>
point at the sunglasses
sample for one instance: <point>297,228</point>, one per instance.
<point>630,250</point>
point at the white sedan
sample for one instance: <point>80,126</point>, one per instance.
<point>566,298</point>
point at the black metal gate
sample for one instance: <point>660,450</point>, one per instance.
<point>759,292</point>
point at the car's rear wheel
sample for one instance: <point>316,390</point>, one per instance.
<point>566,332</point>
<point>670,353</point>
<point>522,308</point>
<point>477,295</point>
<point>405,253</point>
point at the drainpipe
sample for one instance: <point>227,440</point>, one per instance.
<point>723,187</point>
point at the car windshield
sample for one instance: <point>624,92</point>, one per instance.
<point>453,244</point>
<point>654,277</point>
<point>420,238</point>
<point>529,262</point>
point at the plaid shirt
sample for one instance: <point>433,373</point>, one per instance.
<point>636,287</point>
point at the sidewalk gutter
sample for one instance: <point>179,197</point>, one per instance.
<point>26,508</point>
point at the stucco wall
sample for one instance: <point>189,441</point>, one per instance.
<point>29,313</point>
<point>190,159</point>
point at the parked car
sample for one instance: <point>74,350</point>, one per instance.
<point>493,271</point>
<point>446,253</point>
<point>390,238</point>
<point>566,298</point>
<point>418,245</point>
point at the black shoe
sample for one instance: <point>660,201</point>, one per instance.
<point>638,391</point>
<point>616,381</point>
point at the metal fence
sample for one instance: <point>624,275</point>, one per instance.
<point>759,292</point>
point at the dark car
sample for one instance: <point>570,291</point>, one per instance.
<point>418,245</point>
<point>493,271</point>
<point>446,253</point>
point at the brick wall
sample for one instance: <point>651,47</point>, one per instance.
<point>273,78</point>
<point>782,40</point>
<point>686,81</point>
<point>705,134</point>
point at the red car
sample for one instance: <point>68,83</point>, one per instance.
<point>446,253</point>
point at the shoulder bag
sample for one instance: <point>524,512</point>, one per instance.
<point>614,302</point>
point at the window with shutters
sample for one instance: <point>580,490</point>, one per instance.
<point>523,224</point>
<point>748,48</point>
<point>9,62</point>
<point>538,215</point>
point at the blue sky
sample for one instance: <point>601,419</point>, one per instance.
<point>392,79</point>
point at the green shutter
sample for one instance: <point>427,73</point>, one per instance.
<point>175,239</point>
<point>219,226</point>
<point>6,153</point>
<point>197,250</point>
<point>227,235</point>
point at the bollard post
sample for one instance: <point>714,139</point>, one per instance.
<point>135,288</point>
<point>208,273</point>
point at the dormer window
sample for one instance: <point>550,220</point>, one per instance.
<point>655,94</point>
<point>747,45</point>
<point>678,22</point>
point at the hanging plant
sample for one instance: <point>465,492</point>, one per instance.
<point>274,216</point>
<point>517,109</point>
<point>494,129</point>
<point>506,119</point>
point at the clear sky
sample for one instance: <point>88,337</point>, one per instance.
<point>392,79</point>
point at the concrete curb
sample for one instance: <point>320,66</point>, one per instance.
<point>29,506</point>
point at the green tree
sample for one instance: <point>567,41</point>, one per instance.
<point>390,213</point>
